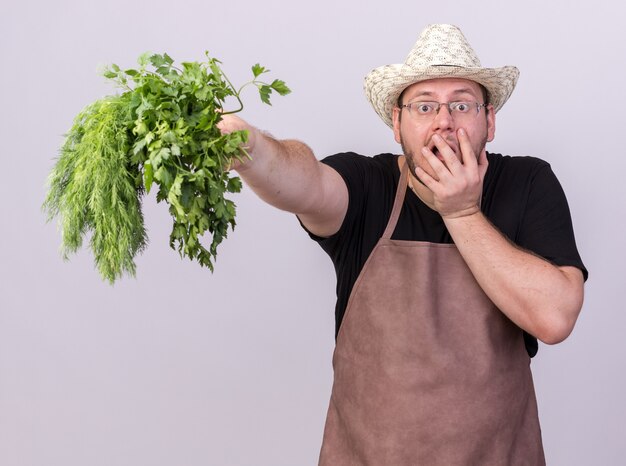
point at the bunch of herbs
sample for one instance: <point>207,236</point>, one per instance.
<point>160,131</point>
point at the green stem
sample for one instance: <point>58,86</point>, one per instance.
<point>236,95</point>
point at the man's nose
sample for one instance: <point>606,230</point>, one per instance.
<point>443,119</point>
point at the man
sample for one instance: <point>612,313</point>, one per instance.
<point>443,287</point>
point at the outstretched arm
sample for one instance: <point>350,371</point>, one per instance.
<point>287,175</point>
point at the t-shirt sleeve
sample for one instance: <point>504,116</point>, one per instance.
<point>361,175</point>
<point>546,227</point>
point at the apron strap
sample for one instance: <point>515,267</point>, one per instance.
<point>399,200</point>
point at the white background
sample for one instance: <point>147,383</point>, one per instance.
<point>183,367</point>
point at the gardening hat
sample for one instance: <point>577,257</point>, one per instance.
<point>441,51</point>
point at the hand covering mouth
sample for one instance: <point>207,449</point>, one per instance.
<point>433,148</point>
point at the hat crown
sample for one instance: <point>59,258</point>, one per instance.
<point>441,51</point>
<point>442,45</point>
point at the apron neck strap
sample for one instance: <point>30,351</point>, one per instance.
<point>399,200</point>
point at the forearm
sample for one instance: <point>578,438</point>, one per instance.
<point>281,173</point>
<point>539,297</point>
<point>286,175</point>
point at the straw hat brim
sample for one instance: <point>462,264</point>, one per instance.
<point>384,84</point>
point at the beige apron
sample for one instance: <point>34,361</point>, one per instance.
<point>427,370</point>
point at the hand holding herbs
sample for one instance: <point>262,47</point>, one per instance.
<point>161,130</point>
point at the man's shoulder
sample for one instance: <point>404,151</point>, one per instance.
<point>518,166</point>
<point>515,161</point>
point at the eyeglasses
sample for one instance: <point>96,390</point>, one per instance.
<point>428,110</point>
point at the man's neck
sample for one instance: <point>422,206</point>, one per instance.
<point>421,191</point>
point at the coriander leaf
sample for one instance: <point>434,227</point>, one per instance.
<point>280,87</point>
<point>257,70</point>
<point>234,185</point>
<point>144,59</point>
<point>264,92</point>
<point>157,60</point>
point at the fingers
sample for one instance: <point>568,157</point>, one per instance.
<point>442,168</point>
<point>437,165</point>
<point>425,178</point>
<point>469,158</point>
<point>449,156</point>
<point>449,163</point>
<point>467,153</point>
<point>456,178</point>
<point>230,123</point>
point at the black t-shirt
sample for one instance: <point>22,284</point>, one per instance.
<point>521,197</point>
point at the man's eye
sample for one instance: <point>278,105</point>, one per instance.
<point>424,108</point>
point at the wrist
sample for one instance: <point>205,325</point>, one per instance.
<point>252,146</point>
<point>462,214</point>
<point>464,227</point>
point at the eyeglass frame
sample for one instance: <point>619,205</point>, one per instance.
<point>440,104</point>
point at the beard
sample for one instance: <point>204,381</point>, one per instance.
<point>408,156</point>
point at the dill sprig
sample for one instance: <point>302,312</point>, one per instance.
<point>92,188</point>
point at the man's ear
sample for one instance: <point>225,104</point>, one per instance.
<point>396,123</point>
<point>491,123</point>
